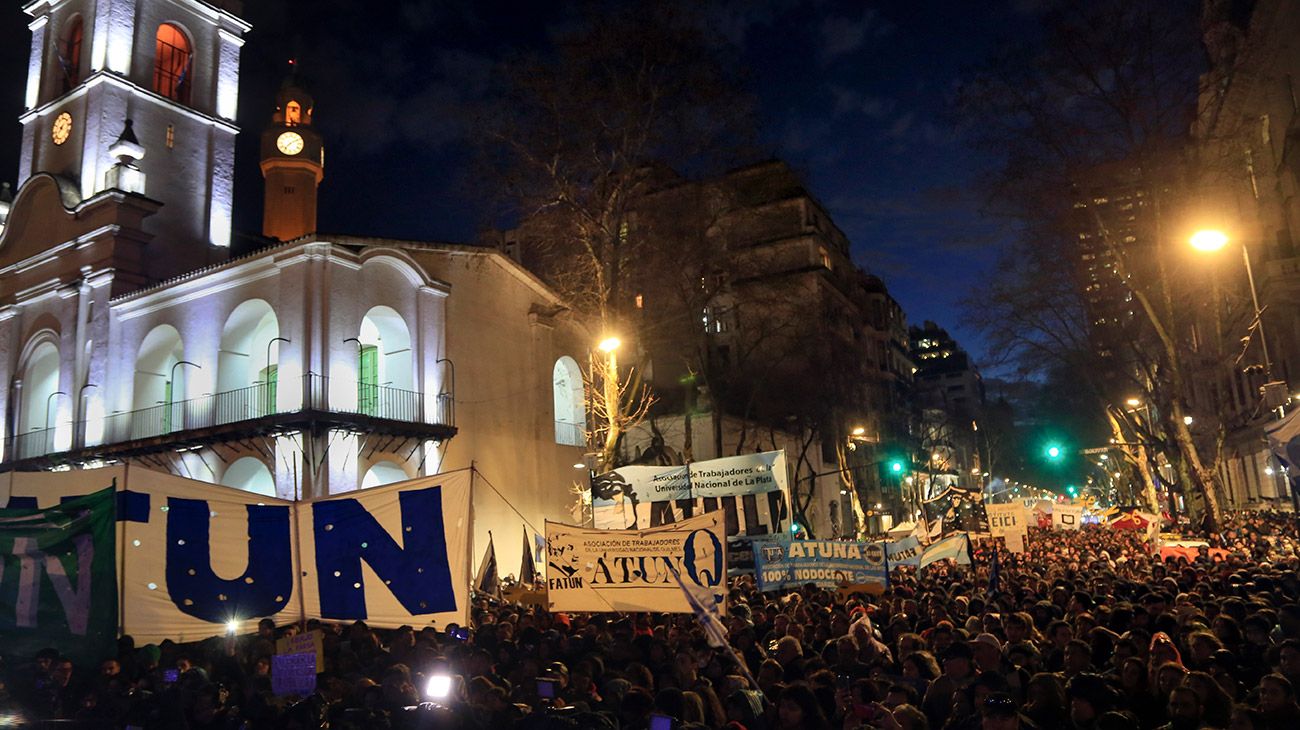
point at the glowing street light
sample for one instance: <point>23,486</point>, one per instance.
<point>1208,240</point>
<point>1132,402</point>
<point>609,344</point>
<point>859,431</point>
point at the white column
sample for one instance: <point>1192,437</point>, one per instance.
<point>38,26</point>
<point>113,36</point>
<point>227,73</point>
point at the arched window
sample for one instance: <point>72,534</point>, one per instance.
<point>250,475</point>
<point>383,472</point>
<point>173,64</point>
<point>248,362</point>
<point>386,382</point>
<point>292,114</point>
<point>70,53</point>
<point>160,378</point>
<point>39,409</point>
<point>570,403</point>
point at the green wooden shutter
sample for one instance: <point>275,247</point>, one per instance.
<point>368,383</point>
<point>269,377</point>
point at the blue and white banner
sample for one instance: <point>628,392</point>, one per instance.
<point>613,570</point>
<point>783,563</point>
<point>194,557</point>
<point>956,547</point>
<point>751,489</point>
<point>905,552</point>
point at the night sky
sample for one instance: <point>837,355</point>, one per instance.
<point>855,96</point>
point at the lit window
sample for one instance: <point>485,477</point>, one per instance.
<point>173,63</point>
<point>825,257</point>
<point>640,301</point>
<point>171,136</point>
<point>70,53</point>
<point>292,114</point>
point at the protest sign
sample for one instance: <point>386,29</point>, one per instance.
<point>196,556</point>
<point>58,578</point>
<point>906,551</point>
<point>311,642</point>
<point>956,510</point>
<point>1067,516</point>
<point>1007,518</point>
<point>293,675</point>
<point>750,489</point>
<point>1015,541</point>
<point>782,564</point>
<point>604,570</point>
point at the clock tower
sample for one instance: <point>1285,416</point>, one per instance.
<point>293,164</point>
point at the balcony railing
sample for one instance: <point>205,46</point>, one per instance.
<point>246,404</point>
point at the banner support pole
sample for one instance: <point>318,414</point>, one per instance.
<point>297,551</point>
<point>121,558</point>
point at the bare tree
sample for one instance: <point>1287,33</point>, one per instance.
<point>582,135</point>
<point>1111,92</point>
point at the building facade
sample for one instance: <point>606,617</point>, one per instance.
<point>313,367</point>
<point>1246,135</point>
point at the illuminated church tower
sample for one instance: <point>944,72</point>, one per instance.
<point>293,164</point>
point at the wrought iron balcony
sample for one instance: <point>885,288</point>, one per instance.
<point>261,408</point>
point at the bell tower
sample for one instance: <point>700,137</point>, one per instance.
<point>293,165</point>
<point>172,67</point>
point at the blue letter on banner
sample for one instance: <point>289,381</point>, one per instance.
<point>267,582</point>
<point>418,573</point>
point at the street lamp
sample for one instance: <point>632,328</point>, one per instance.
<point>171,386</point>
<point>610,346</point>
<point>1210,240</point>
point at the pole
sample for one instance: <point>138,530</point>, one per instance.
<point>1259,316</point>
<point>612,406</point>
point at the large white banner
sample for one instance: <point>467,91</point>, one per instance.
<point>1007,518</point>
<point>1067,516</point>
<point>195,556</point>
<point>604,571</point>
<point>751,489</point>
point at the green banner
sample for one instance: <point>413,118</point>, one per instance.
<point>58,579</point>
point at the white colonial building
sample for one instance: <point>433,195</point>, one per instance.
<point>316,366</point>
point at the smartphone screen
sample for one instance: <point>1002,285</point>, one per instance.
<point>546,689</point>
<point>661,722</point>
<point>171,675</point>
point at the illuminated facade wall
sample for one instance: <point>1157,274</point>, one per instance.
<point>189,142</point>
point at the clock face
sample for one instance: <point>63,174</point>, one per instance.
<point>62,128</point>
<point>290,143</point>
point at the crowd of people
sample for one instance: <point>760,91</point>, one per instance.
<point>1084,629</point>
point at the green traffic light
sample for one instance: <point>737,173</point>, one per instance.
<point>896,467</point>
<point>1054,451</point>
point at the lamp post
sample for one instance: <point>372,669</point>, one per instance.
<point>610,346</point>
<point>171,383</point>
<point>1210,240</point>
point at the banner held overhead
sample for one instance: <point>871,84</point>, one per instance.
<point>603,571</point>
<point>58,578</point>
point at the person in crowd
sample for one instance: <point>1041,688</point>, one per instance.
<point>1086,629</point>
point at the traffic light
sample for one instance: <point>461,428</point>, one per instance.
<point>1072,490</point>
<point>896,466</point>
<point>1054,451</point>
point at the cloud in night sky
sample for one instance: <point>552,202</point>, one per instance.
<point>841,35</point>
<point>854,94</point>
